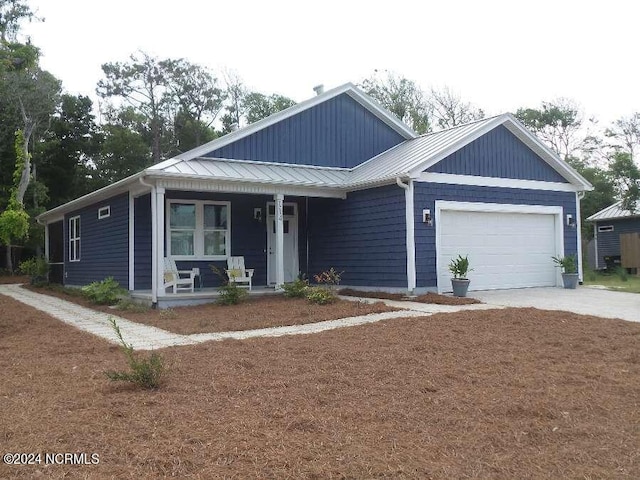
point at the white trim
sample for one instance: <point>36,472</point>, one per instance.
<point>154,246</point>
<point>279,200</point>
<point>293,226</point>
<point>355,93</point>
<point>46,241</point>
<point>595,238</point>
<point>198,232</point>
<point>104,212</point>
<point>579,237</point>
<point>428,177</point>
<point>73,239</point>
<point>410,240</point>
<point>160,238</point>
<point>132,226</point>
<point>444,205</point>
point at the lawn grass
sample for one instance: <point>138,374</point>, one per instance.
<point>613,281</point>
<point>512,393</point>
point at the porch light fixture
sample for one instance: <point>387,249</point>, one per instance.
<point>426,217</point>
<point>257,214</point>
<point>571,222</point>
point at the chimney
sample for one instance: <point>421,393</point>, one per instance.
<point>319,89</point>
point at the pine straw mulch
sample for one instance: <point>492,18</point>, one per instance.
<point>513,393</point>
<point>256,312</point>
<point>8,279</point>
<point>428,297</point>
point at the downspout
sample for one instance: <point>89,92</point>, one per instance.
<point>579,196</point>
<point>154,240</point>
<point>410,229</point>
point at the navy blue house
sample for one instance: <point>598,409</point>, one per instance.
<point>609,225</point>
<point>335,181</point>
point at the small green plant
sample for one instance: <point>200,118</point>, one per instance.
<point>329,277</point>
<point>459,267</point>
<point>622,274</point>
<point>231,294</point>
<point>145,372</point>
<point>320,295</point>
<point>296,289</point>
<point>568,264</point>
<point>105,292</point>
<point>34,267</point>
<point>129,305</point>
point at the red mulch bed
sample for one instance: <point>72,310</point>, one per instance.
<point>255,312</point>
<point>513,393</point>
<point>429,297</point>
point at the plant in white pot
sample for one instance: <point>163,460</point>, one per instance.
<point>459,267</point>
<point>569,266</point>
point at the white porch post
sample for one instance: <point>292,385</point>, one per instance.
<point>154,249</point>
<point>411,238</point>
<point>46,241</point>
<point>279,199</point>
<point>579,237</point>
<point>160,238</point>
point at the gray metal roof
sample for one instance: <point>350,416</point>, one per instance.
<point>613,212</point>
<point>258,172</point>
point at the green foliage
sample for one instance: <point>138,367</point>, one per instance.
<point>14,225</point>
<point>34,267</point>
<point>258,106</point>
<point>296,289</point>
<point>459,267</point>
<point>329,277</point>
<point>129,305</point>
<point>231,294</point>
<point>569,264</point>
<point>320,295</point>
<point>622,274</point>
<point>144,372</point>
<point>627,179</point>
<point>105,292</point>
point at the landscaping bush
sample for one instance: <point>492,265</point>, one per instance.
<point>231,294</point>
<point>296,289</point>
<point>622,274</point>
<point>106,292</point>
<point>320,295</point>
<point>37,268</point>
<point>329,277</point>
<point>145,372</point>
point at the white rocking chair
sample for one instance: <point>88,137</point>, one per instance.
<point>237,273</point>
<point>179,280</point>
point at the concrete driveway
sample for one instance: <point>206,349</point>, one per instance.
<point>585,300</point>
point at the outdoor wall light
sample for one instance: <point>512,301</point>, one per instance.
<point>571,222</point>
<point>426,217</point>
<point>257,214</point>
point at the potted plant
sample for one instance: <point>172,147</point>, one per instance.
<point>37,268</point>
<point>459,267</point>
<point>569,267</point>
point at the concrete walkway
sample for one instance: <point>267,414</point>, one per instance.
<point>144,337</point>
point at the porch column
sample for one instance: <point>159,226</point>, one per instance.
<point>160,238</point>
<point>411,242</point>
<point>279,199</point>
<point>154,242</point>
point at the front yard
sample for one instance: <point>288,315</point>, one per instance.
<point>613,281</point>
<point>514,393</point>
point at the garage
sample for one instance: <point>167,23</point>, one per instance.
<point>509,246</point>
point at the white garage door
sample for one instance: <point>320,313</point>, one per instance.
<point>506,250</point>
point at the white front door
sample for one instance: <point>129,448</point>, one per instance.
<point>290,220</point>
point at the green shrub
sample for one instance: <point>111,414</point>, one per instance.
<point>320,295</point>
<point>296,289</point>
<point>622,274</point>
<point>591,275</point>
<point>34,267</point>
<point>569,264</point>
<point>329,277</point>
<point>231,294</point>
<point>106,292</point>
<point>145,372</point>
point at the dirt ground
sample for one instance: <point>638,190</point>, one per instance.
<point>7,279</point>
<point>513,393</point>
<point>429,297</point>
<point>255,312</point>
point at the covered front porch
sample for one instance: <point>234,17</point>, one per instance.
<point>198,297</point>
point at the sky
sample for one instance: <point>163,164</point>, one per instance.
<point>499,55</point>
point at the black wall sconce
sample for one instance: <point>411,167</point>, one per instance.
<point>257,214</point>
<point>571,222</point>
<point>426,217</point>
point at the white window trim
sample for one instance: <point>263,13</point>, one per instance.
<point>74,240</point>
<point>104,212</point>
<point>198,241</point>
<point>605,228</point>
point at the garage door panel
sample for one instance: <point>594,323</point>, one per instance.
<point>506,250</point>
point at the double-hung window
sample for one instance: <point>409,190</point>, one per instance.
<point>198,229</point>
<point>74,239</point>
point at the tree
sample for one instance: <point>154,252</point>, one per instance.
<point>449,110</point>
<point>626,175</point>
<point>557,123</point>
<point>402,97</point>
<point>235,93</point>
<point>626,133</point>
<point>12,13</point>
<point>258,106</point>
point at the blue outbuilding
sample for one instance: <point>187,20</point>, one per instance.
<point>334,181</point>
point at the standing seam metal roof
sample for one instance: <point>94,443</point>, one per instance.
<point>613,212</point>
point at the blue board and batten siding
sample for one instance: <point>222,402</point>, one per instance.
<point>608,243</point>
<point>104,244</point>
<point>498,153</point>
<point>364,236</point>
<point>426,195</point>
<point>142,243</point>
<point>337,133</point>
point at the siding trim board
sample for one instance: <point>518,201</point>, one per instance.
<point>433,177</point>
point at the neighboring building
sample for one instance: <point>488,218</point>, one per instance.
<point>335,181</point>
<point>608,225</point>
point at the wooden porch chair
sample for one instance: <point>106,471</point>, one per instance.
<point>237,273</point>
<point>179,280</point>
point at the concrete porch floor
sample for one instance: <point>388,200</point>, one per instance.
<point>198,297</point>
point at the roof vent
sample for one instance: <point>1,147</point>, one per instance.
<point>319,89</point>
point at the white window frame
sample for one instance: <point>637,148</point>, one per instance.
<point>104,212</point>
<point>74,242</point>
<point>198,240</point>
<point>605,228</point>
